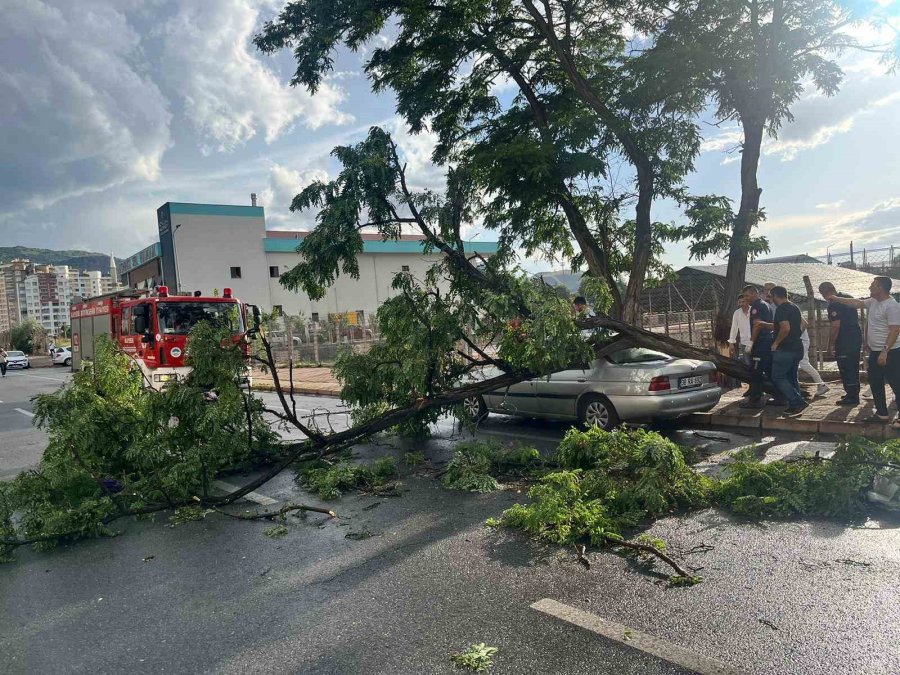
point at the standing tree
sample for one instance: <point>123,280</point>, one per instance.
<point>542,159</point>
<point>753,58</point>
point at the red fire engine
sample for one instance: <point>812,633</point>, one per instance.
<point>154,329</point>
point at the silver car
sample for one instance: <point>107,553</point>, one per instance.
<point>631,384</point>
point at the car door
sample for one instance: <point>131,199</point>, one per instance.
<point>518,399</point>
<point>557,395</point>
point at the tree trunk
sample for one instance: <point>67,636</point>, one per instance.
<point>745,220</point>
<point>643,242</point>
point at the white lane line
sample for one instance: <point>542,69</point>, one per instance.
<point>662,649</point>
<point>24,412</point>
<point>44,377</point>
<point>255,497</point>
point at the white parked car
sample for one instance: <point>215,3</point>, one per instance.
<point>16,359</point>
<point>631,384</point>
<point>62,356</point>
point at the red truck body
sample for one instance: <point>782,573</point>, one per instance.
<point>152,329</point>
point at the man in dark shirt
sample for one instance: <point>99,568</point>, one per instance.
<point>760,345</point>
<point>787,351</point>
<point>844,341</point>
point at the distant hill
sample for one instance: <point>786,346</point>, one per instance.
<point>82,260</point>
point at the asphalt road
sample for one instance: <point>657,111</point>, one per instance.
<point>420,577</point>
<point>21,444</point>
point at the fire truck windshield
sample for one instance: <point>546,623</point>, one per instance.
<point>179,318</point>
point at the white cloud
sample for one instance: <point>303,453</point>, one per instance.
<point>79,113</point>
<point>875,226</point>
<point>416,150</point>
<point>229,93</point>
<point>284,184</point>
<point>830,206</point>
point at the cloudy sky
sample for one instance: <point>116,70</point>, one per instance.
<point>113,107</point>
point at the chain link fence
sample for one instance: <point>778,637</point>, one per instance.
<point>883,261</point>
<point>301,339</point>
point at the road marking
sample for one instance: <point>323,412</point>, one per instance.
<point>662,649</point>
<point>44,377</point>
<point>255,497</point>
<point>24,412</point>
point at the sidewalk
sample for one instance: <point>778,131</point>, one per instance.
<point>309,381</point>
<point>822,416</point>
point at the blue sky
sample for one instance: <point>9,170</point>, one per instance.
<point>112,107</point>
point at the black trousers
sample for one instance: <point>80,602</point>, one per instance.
<point>3,369</point>
<point>847,357</point>
<point>761,356</point>
<point>878,375</point>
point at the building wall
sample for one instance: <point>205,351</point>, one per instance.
<point>376,274</point>
<point>208,240</point>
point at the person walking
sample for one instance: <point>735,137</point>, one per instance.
<point>882,331</point>
<point>806,366</point>
<point>760,346</point>
<point>739,338</point>
<point>787,351</point>
<point>844,342</point>
<point>766,296</point>
<point>3,358</point>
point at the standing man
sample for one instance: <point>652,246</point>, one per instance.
<point>740,329</point>
<point>882,331</point>
<point>844,341</point>
<point>787,351</point>
<point>767,296</point>
<point>761,346</point>
<point>3,357</point>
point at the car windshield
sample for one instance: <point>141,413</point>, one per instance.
<point>636,355</point>
<point>16,353</point>
<point>179,318</point>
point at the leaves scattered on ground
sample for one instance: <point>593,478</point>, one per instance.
<point>276,531</point>
<point>477,658</point>
<point>475,465</point>
<point>331,481</point>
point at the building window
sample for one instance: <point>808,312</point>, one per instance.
<point>276,310</point>
<point>273,271</point>
<point>235,272</point>
<point>315,317</point>
<point>405,268</point>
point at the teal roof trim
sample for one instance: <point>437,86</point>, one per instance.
<point>290,245</point>
<point>216,210</point>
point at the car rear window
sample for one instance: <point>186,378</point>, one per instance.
<point>637,355</point>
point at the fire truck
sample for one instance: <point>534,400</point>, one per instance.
<point>153,328</point>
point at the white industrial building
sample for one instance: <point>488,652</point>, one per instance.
<point>208,247</point>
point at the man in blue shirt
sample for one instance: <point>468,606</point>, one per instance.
<point>760,345</point>
<point>787,350</point>
<point>844,341</point>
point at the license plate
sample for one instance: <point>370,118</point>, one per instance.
<point>688,382</point>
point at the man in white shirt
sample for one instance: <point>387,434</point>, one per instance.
<point>882,331</point>
<point>740,328</point>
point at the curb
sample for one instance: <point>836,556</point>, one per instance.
<point>828,427</point>
<point>308,391</point>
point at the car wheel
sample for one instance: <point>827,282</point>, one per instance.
<point>597,411</point>
<point>67,362</point>
<point>475,408</point>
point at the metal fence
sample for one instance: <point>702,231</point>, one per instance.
<point>299,339</point>
<point>884,260</point>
